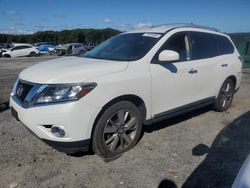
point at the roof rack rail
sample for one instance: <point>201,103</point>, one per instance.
<point>179,25</point>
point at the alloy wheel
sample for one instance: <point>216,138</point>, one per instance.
<point>120,130</point>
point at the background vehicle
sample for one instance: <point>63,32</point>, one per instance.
<point>2,45</point>
<point>71,49</point>
<point>90,46</point>
<point>19,50</point>
<point>135,78</point>
<point>46,48</point>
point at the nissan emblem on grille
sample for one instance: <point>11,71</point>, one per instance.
<point>20,90</point>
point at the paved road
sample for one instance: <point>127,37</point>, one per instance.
<point>200,149</point>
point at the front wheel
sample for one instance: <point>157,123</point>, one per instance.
<point>6,56</point>
<point>225,96</point>
<point>117,130</point>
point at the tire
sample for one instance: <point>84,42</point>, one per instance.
<point>6,56</point>
<point>81,53</point>
<point>33,54</point>
<point>117,130</point>
<point>225,96</point>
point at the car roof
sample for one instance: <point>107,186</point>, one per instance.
<point>20,44</point>
<point>166,27</point>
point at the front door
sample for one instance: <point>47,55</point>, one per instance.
<point>173,83</point>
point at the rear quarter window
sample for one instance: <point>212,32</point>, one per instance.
<point>224,45</point>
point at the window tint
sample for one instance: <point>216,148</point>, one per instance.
<point>125,47</point>
<point>224,45</point>
<point>204,45</point>
<point>177,43</point>
<point>25,47</point>
<point>77,46</point>
<point>17,48</point>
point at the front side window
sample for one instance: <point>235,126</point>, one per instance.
<point>178,43</point>
<point>125,47</point>
<point>16,48</point>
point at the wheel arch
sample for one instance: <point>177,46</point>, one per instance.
<point>136,100</point>
<point>6,55</point>
<point>233,78</point>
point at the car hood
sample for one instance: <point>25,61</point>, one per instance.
<point>70,70</point>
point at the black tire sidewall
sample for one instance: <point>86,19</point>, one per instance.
<point>6,56</point>
<point>32,54</point>
<point>217,105</point>
<point>98,144</point>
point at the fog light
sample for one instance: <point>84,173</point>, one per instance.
<point>57,131</point>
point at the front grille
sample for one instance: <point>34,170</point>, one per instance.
<point>22,90</point>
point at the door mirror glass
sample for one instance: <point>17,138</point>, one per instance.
<point>168,55</point>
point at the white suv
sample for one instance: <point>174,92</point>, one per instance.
<point>103,99</point>
<point>20,50</point>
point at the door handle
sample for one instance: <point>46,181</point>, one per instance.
<point>192,71</point>
<point>224,65</point>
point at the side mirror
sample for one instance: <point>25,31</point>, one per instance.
<point>168,55</point>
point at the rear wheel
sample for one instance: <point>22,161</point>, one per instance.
<point>32,54</point>
<point>225,96</point>
<point>81,53</point>
<point>117,130</point>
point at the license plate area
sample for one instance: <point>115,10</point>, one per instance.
<point>14,113</point>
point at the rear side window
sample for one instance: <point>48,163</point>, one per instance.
<point>204,45</point>
<point>77,46</point>
<point>224,45</point>
<point>25,47</point>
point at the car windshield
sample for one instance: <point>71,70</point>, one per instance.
<point>125,47</point>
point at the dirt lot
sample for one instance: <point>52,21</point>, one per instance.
<point>200,149</point>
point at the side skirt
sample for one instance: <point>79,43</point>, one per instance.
<point>180,110</point>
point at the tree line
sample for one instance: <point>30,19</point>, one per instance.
<point>81,36</point>
<point>61,37</point>
<point>238,38</point>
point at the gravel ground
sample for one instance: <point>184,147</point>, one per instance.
<point>199,149</point>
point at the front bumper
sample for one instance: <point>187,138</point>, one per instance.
<point>75,118</point>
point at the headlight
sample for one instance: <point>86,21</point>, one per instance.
<point>62,92</point>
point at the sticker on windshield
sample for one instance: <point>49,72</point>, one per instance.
<point>154,35</point>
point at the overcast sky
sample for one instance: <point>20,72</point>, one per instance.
<point>28,16</point>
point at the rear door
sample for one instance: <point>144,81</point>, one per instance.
<point>204,55</point>
<point>25,50</point>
